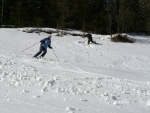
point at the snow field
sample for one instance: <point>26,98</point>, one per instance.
<point>87,79</point>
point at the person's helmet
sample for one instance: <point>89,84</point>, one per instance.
<point>49,36</point>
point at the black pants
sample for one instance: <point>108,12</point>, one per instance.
<point>42,49</point>
<point>91,41</point>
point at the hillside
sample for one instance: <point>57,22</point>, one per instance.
<point>105,78</point>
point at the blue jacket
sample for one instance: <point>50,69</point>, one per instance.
<point>46,42</point>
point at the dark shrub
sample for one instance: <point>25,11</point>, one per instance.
<point>121,38</point>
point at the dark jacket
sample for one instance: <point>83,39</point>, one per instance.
<point>89,36</point>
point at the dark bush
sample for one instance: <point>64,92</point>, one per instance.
<point>121,38</point>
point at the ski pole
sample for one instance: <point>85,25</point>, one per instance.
<point>55,54</point>
<point>30,46</point>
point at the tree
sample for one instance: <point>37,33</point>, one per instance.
<point>63,13</point>
<point>99,16</point>
<point>146,8</point>
<point>120,15</point>
<point>2,12</point>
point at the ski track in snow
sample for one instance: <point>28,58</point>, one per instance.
<point>16,73</point>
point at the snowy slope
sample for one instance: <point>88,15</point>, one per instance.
<point>105,78</point>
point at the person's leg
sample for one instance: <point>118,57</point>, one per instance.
<point>94,42</point>
<point>44,52</point>
<point>38,53</point>
<point>88,42</point>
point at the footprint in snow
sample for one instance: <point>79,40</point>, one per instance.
<point>72,109</point>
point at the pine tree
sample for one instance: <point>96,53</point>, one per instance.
<point>2,9</point>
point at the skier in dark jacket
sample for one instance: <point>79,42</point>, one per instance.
<point>46,42</point>
<point>90,39</point>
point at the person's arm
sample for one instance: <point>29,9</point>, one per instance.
<point>43,40</point>
<point>50,45</point>
<point>85,35</point>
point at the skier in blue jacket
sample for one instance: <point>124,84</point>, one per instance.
<point>46,42</point>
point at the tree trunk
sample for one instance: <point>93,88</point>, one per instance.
<point>2,12</point>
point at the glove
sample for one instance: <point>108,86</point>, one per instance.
<point>50,47</point>
<point>41,42</point>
